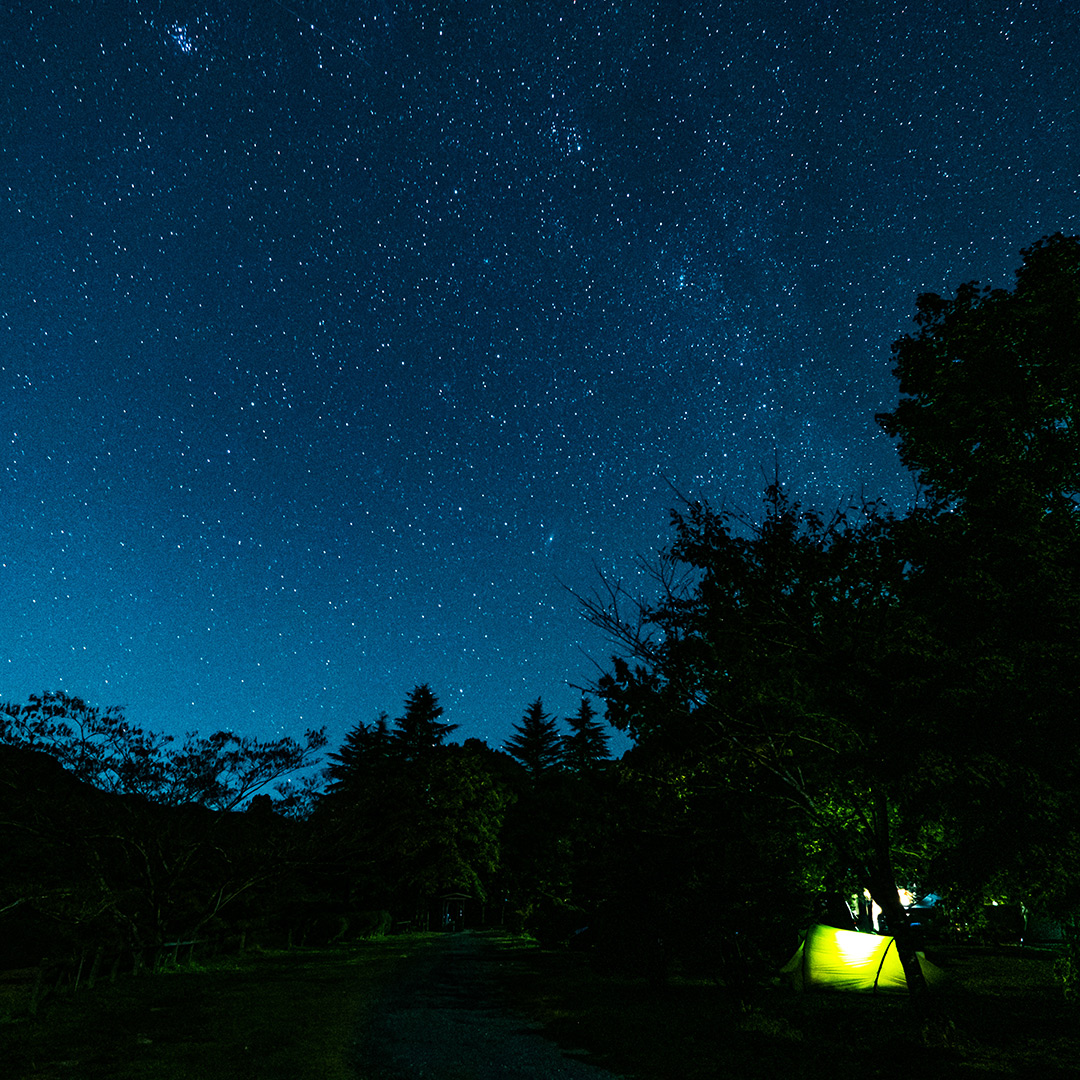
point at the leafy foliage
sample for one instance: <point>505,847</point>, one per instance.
<point>407,818</point>
<point>787,669</point>
<point>991,389</point>
<point>989,422</point>
<point>905,685</point>
<point>120,837</point>
<point>100,747</point>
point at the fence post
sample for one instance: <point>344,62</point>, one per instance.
<point>95,967</point>
<point>35,990</point>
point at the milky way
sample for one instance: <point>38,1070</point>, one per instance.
<point>337,339</point>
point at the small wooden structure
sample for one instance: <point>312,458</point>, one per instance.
<point>452,916</point>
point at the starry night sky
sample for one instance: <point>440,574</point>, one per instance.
<point>337,338</point>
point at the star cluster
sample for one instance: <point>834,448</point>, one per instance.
<point>337,339</point>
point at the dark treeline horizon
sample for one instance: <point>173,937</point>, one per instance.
<point>820,707</point>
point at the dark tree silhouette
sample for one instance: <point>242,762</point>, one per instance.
<point>220,771</point>
<point>586,745</point>
<point>398,826</point>
<point>420,730</point>
<point>989,420</point>
<point>138,845</point>
<point>536,742</point>
<point>907,685</point>
<point>989,417</point>
<point>446,825</point>
<point>365,751</point>
<point>783,667</point>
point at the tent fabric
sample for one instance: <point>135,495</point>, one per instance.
<point>831,959</point>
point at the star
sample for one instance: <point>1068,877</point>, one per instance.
<point>330,359</point>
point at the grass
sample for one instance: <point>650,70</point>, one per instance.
<point>1002,1013</point>
<point>291,1015</point>
<point>300,1014</point>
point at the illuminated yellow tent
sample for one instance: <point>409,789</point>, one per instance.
<point>831,959</point>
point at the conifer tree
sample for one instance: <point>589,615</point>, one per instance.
<point>537,743</point>
<point>365,748</point>
<point>587,744</point>
<point>420,730</point>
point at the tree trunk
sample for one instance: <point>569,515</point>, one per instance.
<point>888,899</point>
<point>883,890</point>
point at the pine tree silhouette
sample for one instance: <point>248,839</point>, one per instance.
<point>587,744</point>
<point>537,743</point>
<point>420,731</point>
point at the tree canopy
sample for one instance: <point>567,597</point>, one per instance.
<point>122,838</point>
<point>989,421</point>
<point>988,418</point>
<point>100,746</point>
<point>905,683</point>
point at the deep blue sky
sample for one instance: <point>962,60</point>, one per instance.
<point>334,337</point>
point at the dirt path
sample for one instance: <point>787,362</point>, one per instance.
<point>445,1019</point>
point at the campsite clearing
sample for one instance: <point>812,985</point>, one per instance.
<point>281,1015</point>
<point>1002,1012</point>
<point>311,1012</point>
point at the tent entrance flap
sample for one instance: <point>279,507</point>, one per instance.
<point>831,959</point>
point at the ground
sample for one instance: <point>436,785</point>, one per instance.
<point>448,1015</point>
<point>484,1006</point>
